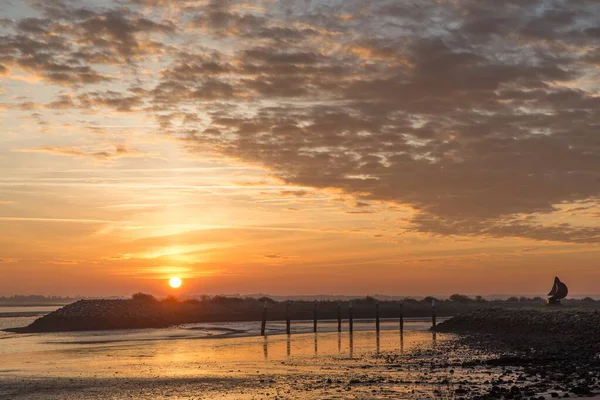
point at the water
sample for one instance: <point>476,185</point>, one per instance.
<point>178,352</point>
<point>232,361</point>
<point>26,310</point>
<point>16,317</point>
<point>12,343</point>
<point>208,360</point>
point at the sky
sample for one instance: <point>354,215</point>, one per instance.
<point>299,146</point>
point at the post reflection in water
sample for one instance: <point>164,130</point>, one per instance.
<point>266,348</point>
<point>351,344</point>
<point>401,342</point>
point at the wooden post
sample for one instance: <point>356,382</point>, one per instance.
<point>288,322</point>
<point>401,317</point>
<point>263,326</point>
<point>433,315</point>
<point>350,320</point>
<point>315,317</point>
<point>339,316</point>
<point>377,316</point>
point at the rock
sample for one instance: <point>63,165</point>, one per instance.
<point>581,390</point>
<point>524,321</point>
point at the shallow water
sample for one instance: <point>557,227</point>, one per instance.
<point>26,343</point>
<point>58,355</point>
<point>173,365</point>
<point>16,311</point>
<point>230,361</point>
<point>15,317</point>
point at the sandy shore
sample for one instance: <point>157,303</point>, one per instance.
<point>325,366</point>
<point>161,364</point>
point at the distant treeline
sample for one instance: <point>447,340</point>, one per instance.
<point>146,311</point>
<point>223,308</point>
<point>412,307</point>
<point>36,299</point>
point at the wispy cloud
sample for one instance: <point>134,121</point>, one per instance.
<point>120,151</point>
<point>66,220</point>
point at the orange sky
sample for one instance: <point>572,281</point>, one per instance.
<point>284,147</point>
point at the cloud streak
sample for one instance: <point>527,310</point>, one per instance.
<point>121,151</point>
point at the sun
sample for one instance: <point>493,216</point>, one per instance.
<point>175,282</point>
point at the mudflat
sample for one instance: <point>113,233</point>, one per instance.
<point>502,360</point>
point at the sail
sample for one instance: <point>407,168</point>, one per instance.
<point>559,290</point>
<point>562,291</point>
<point>554,287</point>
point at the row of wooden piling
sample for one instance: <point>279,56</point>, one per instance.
<point>288,318</point>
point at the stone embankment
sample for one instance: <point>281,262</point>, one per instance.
<point>551,321</point>
<point>91,315</point>
<point>554,351</point>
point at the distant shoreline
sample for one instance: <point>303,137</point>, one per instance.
<point>34,304</point>
<point>145,311</point>
<point>23,314</point>
<point>27,311</point>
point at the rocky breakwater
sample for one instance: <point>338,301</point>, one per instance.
<point>91,315</point>
<point>542,353</point>
<point>570,322</point>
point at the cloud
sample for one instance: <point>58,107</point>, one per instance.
<point>274,256</point>
<point>6,23</point>
<point>507,227</point>
<point>294,193</point>
<point>9,260</point>
<point>120,151</point>
<point>476,113</point>
<point>464,124</point>
<point>109,99</point>
<point>361,212</point>
<point>65,44</point>
<point>63,101</point>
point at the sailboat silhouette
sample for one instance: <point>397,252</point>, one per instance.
<point>559,291</point>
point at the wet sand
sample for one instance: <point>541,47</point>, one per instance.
<point>171,364</point>
<point>325,365</point>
